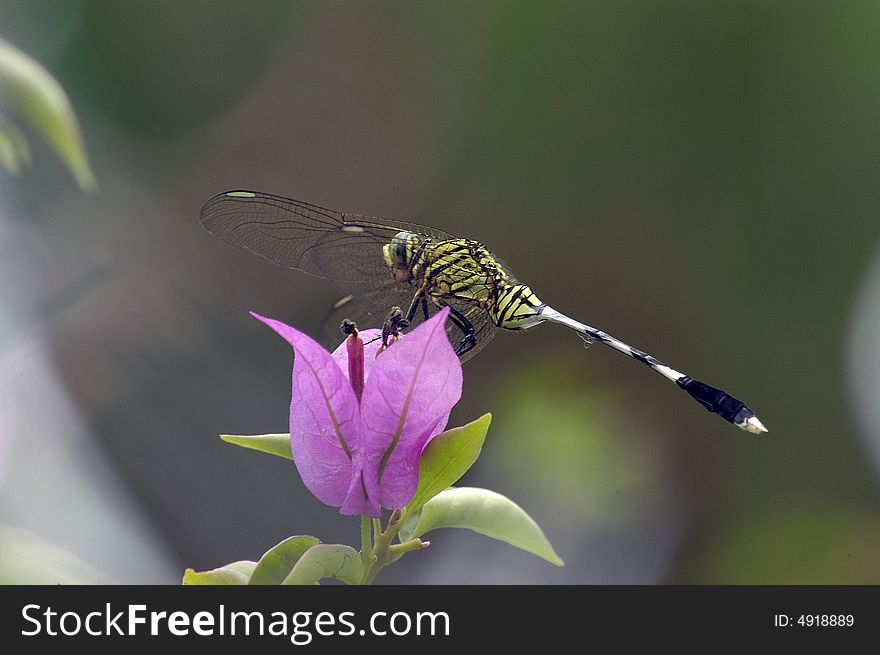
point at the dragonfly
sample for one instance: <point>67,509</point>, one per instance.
<point>381,263</point>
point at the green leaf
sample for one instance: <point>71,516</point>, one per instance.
<point>276,564</point>
<point>327,561</point>
<point>483,511</point>
<point>447,457</point>
<point>274,444</point>
<point>14,150</point>
<point>33,93</point>
<point>236,573</point>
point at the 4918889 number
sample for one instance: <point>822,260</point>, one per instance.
<point>825,620</point>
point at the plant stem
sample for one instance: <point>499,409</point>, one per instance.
<point>383,552</point>
<point>366,541</point>
<point>396,551</point>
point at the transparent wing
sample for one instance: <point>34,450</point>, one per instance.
<point>367,310</point>
<point>484,328</point>
<point>343,248</point>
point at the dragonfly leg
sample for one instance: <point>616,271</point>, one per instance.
<point>470,339</point>
<point>394,323</point>
<point>418,299</point>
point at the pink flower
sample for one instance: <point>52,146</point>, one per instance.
<point>362,453</point>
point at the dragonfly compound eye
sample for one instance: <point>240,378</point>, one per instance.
<point>398,254</point>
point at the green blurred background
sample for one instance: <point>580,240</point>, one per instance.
<point>699,179</point>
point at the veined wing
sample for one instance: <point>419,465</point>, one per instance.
<point>367,310</point>
<point>484,328</point>
<point>343,248</point>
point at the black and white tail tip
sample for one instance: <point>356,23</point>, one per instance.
<point>715,400</point>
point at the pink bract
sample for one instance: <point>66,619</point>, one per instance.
<point>362,456</point>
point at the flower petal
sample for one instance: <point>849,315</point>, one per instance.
<point>363,493</point>
<point>406,402</point>
<point>324,418</point>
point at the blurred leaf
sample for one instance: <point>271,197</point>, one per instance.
<point>29,89</point>
<point>483,511</point>
<point>8,153</point>
<point>447,457</point>
<point>14,150</point>
<point>26,558</point>
<point>327,561</point>
<point>236,573</point>
<point>277,563</point>
<point>274,444</point>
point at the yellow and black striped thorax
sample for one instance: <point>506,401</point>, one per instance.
<point>464,271</point>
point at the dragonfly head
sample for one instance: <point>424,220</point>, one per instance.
<point>399,254</point>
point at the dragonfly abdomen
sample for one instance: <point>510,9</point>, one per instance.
<point>516,307</point>
<point>715,400</point>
